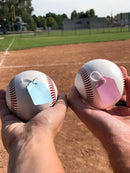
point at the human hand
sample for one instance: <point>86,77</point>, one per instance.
<point>111,126</point>
<point>40,131</point>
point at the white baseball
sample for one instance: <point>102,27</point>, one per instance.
<point>100,82</point>
<point>18,98</point>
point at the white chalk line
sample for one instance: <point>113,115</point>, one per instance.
<point>122,62</point>
<point>56,64</point>
<point>43,65</point>
<point>6,52</point>
<point>2,60</point>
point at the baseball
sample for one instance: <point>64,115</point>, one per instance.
<point>30,92</point>
<point>100,83</point>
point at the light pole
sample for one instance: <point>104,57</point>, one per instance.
<point>13,15</point>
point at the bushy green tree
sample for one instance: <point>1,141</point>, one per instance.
<point>51,15</point>
<point>54,21</point>
<point>74,15</point>
<point>40,21</point>
<point>59,21</point>
<point>58,18</point>
<point>51,22</point>
<point>82,14</point>
<point>22,8</point>
<point>34,18</point>
<point>91,13</point>
<point>64,16</point>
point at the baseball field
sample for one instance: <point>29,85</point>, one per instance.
<point>77,147</point>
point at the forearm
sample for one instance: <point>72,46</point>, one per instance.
<point>119,155</point>
<point>35,158</point>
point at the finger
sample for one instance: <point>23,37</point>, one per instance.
<point>60,107</point>
<point>2,94</point>
<point>61,103</point>
<point>124,71</point>
<point>73,92</point>
<point>3,107</point>
<point>81,109</point>
<point>74,100</point>
<point>6,116</point>
<point>127,83</point>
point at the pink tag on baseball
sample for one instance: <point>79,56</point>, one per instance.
<point>107,90</point>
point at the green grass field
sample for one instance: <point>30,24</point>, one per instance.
<point>24,41</point>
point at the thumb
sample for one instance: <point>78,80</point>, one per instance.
<point>61,103</point>
<point>75,101</point>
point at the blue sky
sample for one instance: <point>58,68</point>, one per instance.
<point>102,8</point>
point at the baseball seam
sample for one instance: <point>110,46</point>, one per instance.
<point>123,76</point>
<point>87,84</point>
<point>13,97</point>
<point>52,90</point>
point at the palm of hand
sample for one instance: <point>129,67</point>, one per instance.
<point>114,121</point>
<point>48,122</point>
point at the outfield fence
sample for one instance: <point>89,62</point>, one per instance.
<point>51,32</point>
<point>84,31</point>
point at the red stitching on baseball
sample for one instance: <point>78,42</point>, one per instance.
<point>87,84</point>
<point>13,97</point>
<point>52,90</point>
<point>123,76</point>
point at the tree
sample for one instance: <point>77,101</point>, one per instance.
<point>58,18</point>
<point>34,18</point>
<point>4,11</point>
<point>82,14</point>
<point>87,14</point>
<point>51,22</point>
<point>39,21</point>
<point>44,23</point>
<point>4,15</point>
<point>30,23</point>
<point>64,16</point>
<point>91,13</point>
<point>23,9</point>
<point>117,16</point>
<point>59,21</point>
<point>51,15</point>
<point>74,15</point>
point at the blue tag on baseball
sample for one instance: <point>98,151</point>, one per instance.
<point>39,93</point>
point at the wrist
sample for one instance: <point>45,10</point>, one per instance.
<point>29,152</point>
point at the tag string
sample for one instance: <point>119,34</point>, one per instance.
<point>95,76</point>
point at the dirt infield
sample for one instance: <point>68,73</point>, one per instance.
<point>78,149</point>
